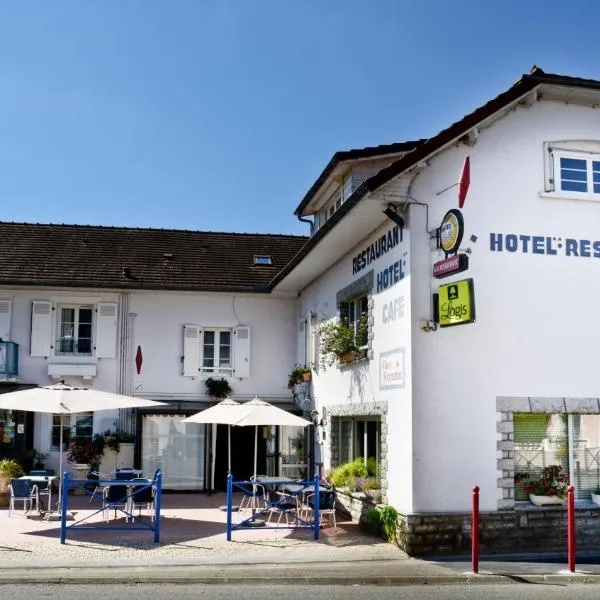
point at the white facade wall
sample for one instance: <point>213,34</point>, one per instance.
<point>535,329</point>
<point>361,383</point>
<point>34,369</point>
<point>158,330</point>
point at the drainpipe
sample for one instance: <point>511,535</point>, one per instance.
<point>303,220</point>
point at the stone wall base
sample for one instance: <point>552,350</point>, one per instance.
<point>520,530</point>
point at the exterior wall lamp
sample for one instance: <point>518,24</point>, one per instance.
<point>391,212</point>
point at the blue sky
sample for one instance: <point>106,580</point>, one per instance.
<point>219,114</point>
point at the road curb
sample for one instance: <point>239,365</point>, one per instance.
<point>94,577</point>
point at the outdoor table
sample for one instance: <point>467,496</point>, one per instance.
<point>42,479</point>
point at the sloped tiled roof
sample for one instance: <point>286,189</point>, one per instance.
<point>424,148</point>
<point>355,154</point>
<point>127,258</point>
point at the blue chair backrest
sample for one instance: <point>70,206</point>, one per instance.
<point>116,493</point>
<point>21,488</point>
<point>42,472</point>
<point>141,493</point>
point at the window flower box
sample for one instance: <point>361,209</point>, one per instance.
<point>546,500</point>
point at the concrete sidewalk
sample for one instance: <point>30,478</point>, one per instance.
<point>193,549</point>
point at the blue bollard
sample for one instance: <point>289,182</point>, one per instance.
<point>63,508</point>
<point>157,507</point>
<point>229,502</point>
<point>317,504</point>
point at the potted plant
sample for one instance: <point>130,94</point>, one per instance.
<point>339,341</point>
<point>83,453</point>
<point>218,388</point>
<point>114,439</point>
<point>299,375</point>
<point>9,468</point>
<point>549,488</point>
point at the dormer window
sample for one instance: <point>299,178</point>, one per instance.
<point>263,260</point>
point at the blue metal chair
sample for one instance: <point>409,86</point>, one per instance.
<point>21,490</point>
<point>114,496</point>
<point>142,496</point>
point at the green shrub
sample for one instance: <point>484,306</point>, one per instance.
<point>389,522</point>
<point>347,473</point>
<point>374,520</point>
<point>372,467</point>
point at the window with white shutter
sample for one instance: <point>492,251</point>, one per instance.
<point>216,351</point>
<point>5,306</point>
<point>191,350</point>
<point>241,361</point>
<point>41,328</point>
<point>106,330</point>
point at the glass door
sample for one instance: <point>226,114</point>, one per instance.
<point>176,448</point>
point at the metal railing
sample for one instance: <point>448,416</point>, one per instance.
<point>9,360</point>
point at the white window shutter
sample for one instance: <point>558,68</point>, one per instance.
<point>41,328</point>
<point>191,350</point>
<point>5,306</point>
<point>301,343</point>
<point>241,356</point>
<point>106,330</point>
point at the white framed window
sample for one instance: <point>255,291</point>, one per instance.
<point>571,441</point>
<point>79,425</point>
<point>360,438</point>
<point>334,202</point>
<point>354,313</point>
<point>216,351</point>
<point>574,172</point>
<point>74,330</point>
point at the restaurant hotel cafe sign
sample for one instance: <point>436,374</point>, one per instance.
<point>393,272</point>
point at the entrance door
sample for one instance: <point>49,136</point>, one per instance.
<point>176,448</point>
<point>287,453</point>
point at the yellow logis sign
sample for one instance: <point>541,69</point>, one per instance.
<point>456,303</point>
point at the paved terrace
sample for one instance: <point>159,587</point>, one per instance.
<point>192,530</point>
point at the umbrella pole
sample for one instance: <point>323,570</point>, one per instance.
<point>254,499</point>
<point>60,465</point>
<point>213,459</point>
<point>228,449</point>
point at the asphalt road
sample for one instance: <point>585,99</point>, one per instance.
<point>314,592</point>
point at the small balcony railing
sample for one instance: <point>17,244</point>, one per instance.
<point>9,360</point>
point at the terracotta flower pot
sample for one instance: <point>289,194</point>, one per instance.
<point>306,376</point>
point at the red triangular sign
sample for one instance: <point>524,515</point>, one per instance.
<point>464,181</point>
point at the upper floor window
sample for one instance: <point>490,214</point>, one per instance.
<point>216,351</point>
<point>579,173</point>
<point>74,330</point>
<point>354,313</point>
<point>573,170</point>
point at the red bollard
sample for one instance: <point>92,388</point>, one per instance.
<point>571,527</point>
<point>475,531</point>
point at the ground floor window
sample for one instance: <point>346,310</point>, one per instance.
<point>361,438</point>
<point>571,441</point>
<point>75,425</point>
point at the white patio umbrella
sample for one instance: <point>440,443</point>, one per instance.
<point>66,399</point>
<point>258,412</point>
<point>226,412</point>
